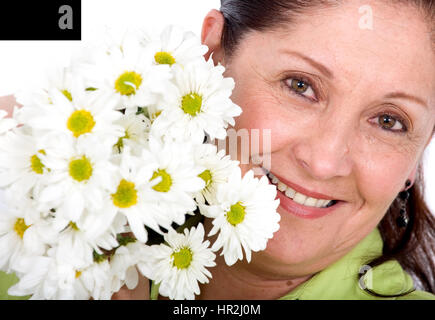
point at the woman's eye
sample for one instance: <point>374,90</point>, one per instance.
<point>391,123</point>
<point>302,88</point>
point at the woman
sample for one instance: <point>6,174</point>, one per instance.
<point>348,91</point>
<point>351,105</point>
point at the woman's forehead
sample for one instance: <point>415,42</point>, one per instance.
<point>396,51</point>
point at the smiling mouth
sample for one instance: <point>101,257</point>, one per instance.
<point>298,197</point>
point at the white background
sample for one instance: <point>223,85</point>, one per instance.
<point>23,63</point>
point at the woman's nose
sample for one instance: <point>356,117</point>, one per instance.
<point>324,153</point>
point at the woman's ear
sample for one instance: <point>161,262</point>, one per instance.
<point>412,175</point>
<point>211,35</point>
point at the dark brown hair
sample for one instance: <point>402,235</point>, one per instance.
<point>414,246</point>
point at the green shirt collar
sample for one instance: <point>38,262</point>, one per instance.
<point>341,280</point>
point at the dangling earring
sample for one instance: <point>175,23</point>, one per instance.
<point>402,219</point>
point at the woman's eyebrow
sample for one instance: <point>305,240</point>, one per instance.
<point>403,95</point>
<point>327,72</point>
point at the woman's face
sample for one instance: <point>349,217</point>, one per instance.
<point>350,110</point>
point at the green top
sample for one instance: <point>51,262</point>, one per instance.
<point>339,281</point>
<point>6,281</point>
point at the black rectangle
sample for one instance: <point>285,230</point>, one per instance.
<point>40,20</point>
<point>191,310</point>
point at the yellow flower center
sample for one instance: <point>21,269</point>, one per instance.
<point>80,169</point>
<point>191,103</point>
<point>73,226</point>
<point>80,122</point>
<point>164,58</point>
<point>125,195</point>
<point>206,176</point>
<point>36,164</point>
<point>78,274</point>
<point>120,143</point>
<point>165,184</point>
<point>236,214</point>
<point>20,227</point>
<point>156,115</point>
<point>128,83</point>
<point>182,258</point>
<point>67,94</point>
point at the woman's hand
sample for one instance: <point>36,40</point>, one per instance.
<point>141,292</point>
<point>8,103</point>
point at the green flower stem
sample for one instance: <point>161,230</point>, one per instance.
<point>191,222</point>
<point>154,295</point>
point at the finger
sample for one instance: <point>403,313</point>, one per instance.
<point>8,103</point>
<point>141,292</point>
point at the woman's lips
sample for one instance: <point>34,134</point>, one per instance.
<point>303,211</point>
<point>304,191</point>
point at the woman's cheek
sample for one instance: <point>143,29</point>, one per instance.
<point>379,177</point>
<point>264,118</point>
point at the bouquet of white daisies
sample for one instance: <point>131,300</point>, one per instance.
<point>106,173</point>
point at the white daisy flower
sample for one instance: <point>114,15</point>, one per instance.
<point>97,279</point>
<point>131,196</point>
<point>59,78</point>
<point>123,263</point>
<point>245,216</point>
<point>75,245</point>
<point>37,277</point>
<point>27,206</point>
<point>179,178</point>
<point>179,264</point>
<point>218,168</point>
<point>68,83</point>
<point>128,73</point>
<point>136,130</point>
<point>101,228</point>
<point>65,81</point>
<point>60,81</point>
<point>18,238</point>
<point>151,113</point>
<point>91,113</point>
<point>47,278</point>
<point>176,46</point>
<point>115,38</point>
<point>6,123</point>
<point>81,176</point>
<point>21,167</point>
<point>200,102</point>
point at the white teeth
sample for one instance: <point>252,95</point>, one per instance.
<point>299,198</point>
<point>290,193</point>
<point>311,202</point>
<point>323,203</point>
<point>296,196</point>
<point>281,186</point>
